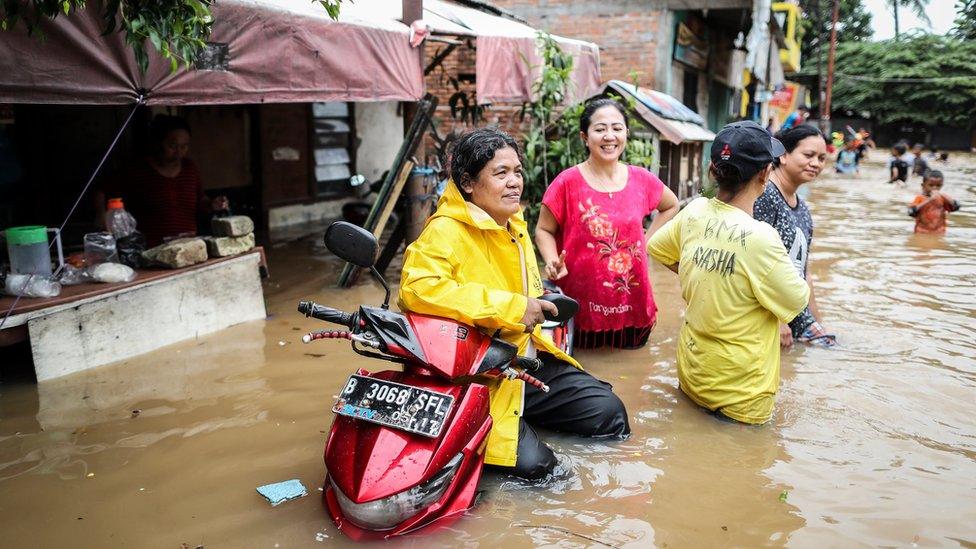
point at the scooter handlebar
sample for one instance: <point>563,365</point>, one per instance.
<point>328,314</point>
<point>566,307</point>
<point>528,364</point>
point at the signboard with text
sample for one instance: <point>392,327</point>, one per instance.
<point>691,43</point>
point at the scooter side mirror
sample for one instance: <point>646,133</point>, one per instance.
<point>352,243</point>
<point>568,307</point>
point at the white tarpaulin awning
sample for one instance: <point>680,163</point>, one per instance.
<point>507,59</point>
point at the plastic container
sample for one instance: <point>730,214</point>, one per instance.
<point>100,248</point>
<point>118,221</point>
<point>29,250</point>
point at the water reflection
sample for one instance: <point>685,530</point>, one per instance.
<point>881,430</point>
<point>184,376</point>
<point>714,487</point>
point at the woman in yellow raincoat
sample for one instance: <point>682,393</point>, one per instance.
<point>474,263</point>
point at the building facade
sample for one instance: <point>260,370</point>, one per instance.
<point>721,59</point>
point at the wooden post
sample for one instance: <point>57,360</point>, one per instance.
<point>821,94</point>
<point>830,60</point>
<point>414,212</point>
<point>412,11</point>
<point>419,205</point>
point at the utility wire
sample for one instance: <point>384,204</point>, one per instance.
<point>905,80</point>
<point>139,101</point>
<point>883,80</point>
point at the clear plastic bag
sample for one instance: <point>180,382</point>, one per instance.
<point>112,272</point>
<point>100,248</point>
<point>72,275</point>
<point>31,286</point>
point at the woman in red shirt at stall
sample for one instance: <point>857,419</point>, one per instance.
<point>591,233</point>
<point>163,190</point>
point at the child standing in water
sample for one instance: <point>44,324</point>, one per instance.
<point>931,208</point>
<point>897,164</point>
<point>847,159</point>
<point>921,166</point>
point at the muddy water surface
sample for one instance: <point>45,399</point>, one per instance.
<point>871,444</point>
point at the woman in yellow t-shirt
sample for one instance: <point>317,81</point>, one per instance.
<point>736,279</point>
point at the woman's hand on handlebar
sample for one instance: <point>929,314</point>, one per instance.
<point>535,312</point>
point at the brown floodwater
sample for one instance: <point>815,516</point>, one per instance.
<point>872,444</point>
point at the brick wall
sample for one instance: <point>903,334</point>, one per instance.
<point>626,31</point>
<point>460,66</point>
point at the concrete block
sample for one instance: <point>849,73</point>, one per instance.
<point>223,246</point>
<point>235,225</point>
<point>138,319</point>
<point>181,252</point>
<point>300,214</point>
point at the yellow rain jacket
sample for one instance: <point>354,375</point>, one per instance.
<point>467,268</point>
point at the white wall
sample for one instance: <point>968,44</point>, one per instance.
<point>380,132</point>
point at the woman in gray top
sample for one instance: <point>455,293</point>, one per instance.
<point>781,207</point>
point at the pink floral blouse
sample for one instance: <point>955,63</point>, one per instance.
<point>604,242</point>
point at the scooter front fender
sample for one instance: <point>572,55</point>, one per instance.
<point>369,461</point>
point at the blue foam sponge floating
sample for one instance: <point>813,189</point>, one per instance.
<point>280,492</point>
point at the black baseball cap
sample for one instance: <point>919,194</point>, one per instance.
<point>747,146</point>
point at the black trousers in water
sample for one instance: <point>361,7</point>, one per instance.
<point>576,403</point>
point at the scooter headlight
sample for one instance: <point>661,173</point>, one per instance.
<point>386,513</point>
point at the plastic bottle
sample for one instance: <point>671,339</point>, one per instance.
<point>119,222</point>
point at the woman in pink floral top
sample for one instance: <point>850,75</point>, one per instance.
<point>591,233</point>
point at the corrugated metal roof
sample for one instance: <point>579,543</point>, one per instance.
<point>676,122</point>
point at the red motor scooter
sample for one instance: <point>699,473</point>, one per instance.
<point>406,448</point>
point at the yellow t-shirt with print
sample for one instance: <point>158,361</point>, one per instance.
<point>738,284</point>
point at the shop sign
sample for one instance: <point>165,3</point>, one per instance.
<point>691,44</point>
<point>784,101</point>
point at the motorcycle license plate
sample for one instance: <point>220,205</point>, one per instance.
<point>394,405</point>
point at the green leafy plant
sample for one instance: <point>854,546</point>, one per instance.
<point>918,7</point>
<point>964,26</point>
<point>550,91</point>
<point>921,77</point>
<point>176,29</point>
